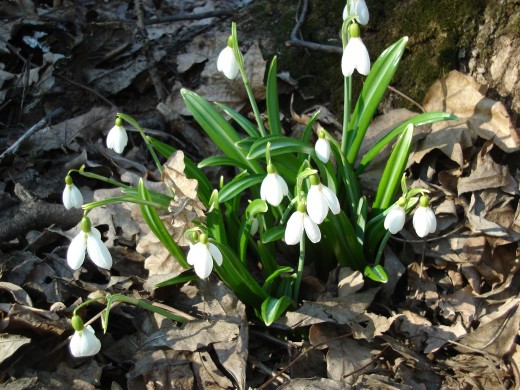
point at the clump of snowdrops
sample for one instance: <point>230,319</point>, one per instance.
<point>286,191</point>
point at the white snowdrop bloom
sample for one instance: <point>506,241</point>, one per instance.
<point>88,240</point>
<point>322,148</point>
<point>117,137</point>
<point>84,341</point>
<point>227,63</point>
<point>359,8</point>
<point>424,221</point>
<point>201,256</point>
<point>71,195</point>
<point>299,222</point>
<point>394,220</point>
<point>319,200</point>
<point>273,187</point>
<point>355,54</point>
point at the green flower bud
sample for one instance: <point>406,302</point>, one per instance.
<point>77,323</point>
<point>354,30</point>
<point>85,225</point>
<point>424,201</point>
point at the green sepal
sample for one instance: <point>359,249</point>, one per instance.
<point>156,225</point>
<point>254,208</point>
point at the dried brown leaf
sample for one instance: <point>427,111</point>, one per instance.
<point>10,343</point>
<point>463,96</point>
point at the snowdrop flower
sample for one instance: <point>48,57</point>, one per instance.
<point>71,195</point>
<point>322,148</point>
<point>273,187</point>
<point>424,221</point>
<point>319,200</point>
<point>299,222</point>
<point>117,137</point>
<point>84,341</point>
<point>201,256</point>
<point>394,220</point>
<point>355,54</point>
<point>89,240</point>
<point>227,63</point>
<point>359,8</point>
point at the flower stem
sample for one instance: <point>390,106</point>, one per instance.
<point>130,199</point>
<point>149,145</point>
<point>382,247</point>
<point>299,271</point>
<point>346,135</point>
<point>241,66</point>
<point>82,172</point>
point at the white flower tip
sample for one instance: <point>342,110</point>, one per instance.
<point>117,139</point>
<point>84,343</point>
<point>322,149</point>
<point>72,197</point>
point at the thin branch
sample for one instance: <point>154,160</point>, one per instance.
<point>31,131</point>
<point>295,41</point>
<point>86,88</point>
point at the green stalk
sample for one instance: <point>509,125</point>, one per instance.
<point>130,199</point>
<point>346,135</point>
<point>149,145</point>
<point>299,271</point>
<point>145,305</point>
<point>251,96</point>
<point>82,172</point>
<point>382,247</point>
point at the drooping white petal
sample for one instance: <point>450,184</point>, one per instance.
<point>312,229</point>
<point>294,228</point>
<point>97,250</point>
<point>395,219</point>
<point>204,262</point>
<point>359,7</point>
<point>317,207</point>
<point>215,253</point>
<point>355,56</point>
<point>424,221</point>
<point>76,251</point>
<point>227,64</point>
<point>273,189</point>
<point>117,139</point>
<point>322,149</point>
<point>331,198</point>
<point>72,197</point>
<point>196,252</point>
<point>84,343</point>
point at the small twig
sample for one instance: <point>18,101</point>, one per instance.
<point>154,75</point>
<point>198,16</point>
<point>87,89</point>
<point>300,355</point>
<point>38,126</point>
<point>266,370</point>
<point>295,41</point>
<point>368,364</point>
<point>406,97</point>
<point>460,227</point>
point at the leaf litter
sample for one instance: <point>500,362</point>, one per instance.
<point>449,318</point>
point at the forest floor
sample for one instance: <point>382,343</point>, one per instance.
<point>448,317</point>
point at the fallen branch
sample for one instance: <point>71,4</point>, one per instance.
<point>38,126</point>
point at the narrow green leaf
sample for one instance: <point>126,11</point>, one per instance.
<point>242,121</point>
<point>377,273</point>
<point>279,145</point>
<point>279,271</point>
<point>273,308</point>
<point>306,135</point>
<point>373,90</point>
<point>394,169</point>
<point>217,128</point>
<point>273,234</point>
<point>190,169</point>
<point>156,225</point>
<point>217,161</point>
<point>185,277</point>
<point>236,276</point>
<point>273,108</point>
<point>162,199</point>
<point>362,212</point>
<point>419,120</point>
<point>246,143</point>
<point>238,186</point>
